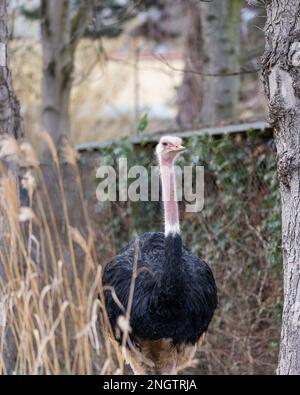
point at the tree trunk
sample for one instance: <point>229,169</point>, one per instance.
<point>190,93</point>
<point>61,33</point>
<point>10,118</point>
<point>221,35</point>
<point>10,126</point>
<point>281,76</point>
<point>58,59</point>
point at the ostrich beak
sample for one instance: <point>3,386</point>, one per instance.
<point>177,148</point>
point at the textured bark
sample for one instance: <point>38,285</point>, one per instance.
<point>60,36</point>
<point>221,35</point>
<point>10,124</point>
<point>281,76</point>
<point>191,91</point>
<point>10,118</point>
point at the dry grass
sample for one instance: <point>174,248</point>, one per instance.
<point>51,301</point>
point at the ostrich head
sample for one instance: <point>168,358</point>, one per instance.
<point>169,148</point>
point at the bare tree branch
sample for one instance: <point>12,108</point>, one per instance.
<point>81,20</point>
<point>241,72</point>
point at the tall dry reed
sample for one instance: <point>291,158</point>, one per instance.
<point>52,316</point>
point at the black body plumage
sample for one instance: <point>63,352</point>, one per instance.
<point>175,293</point>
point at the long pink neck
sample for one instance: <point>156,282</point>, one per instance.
<point>169,194</point>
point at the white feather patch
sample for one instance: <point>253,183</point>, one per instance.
<point>172,229</point>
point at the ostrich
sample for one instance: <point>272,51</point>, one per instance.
<point>175,294</point>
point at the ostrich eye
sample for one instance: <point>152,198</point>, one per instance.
<point>164,144</point>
